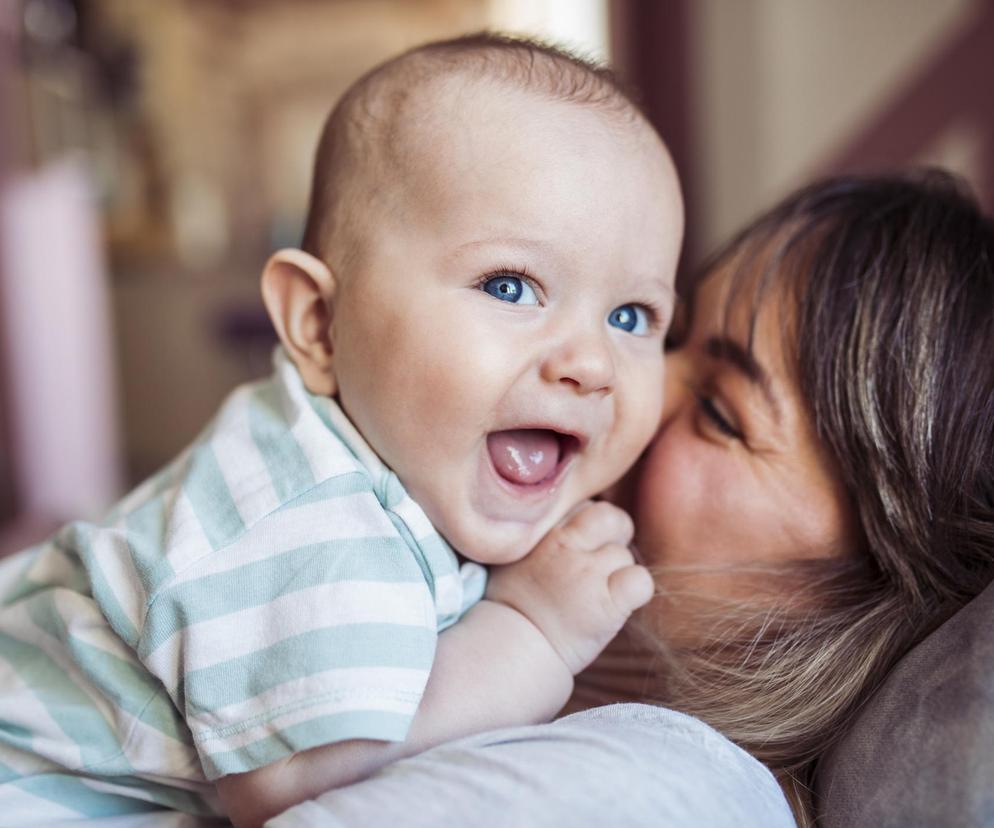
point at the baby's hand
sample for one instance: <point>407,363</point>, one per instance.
<point>580,583</point>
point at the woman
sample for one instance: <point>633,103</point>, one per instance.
<point>820,495</point>
<point>829,449</point>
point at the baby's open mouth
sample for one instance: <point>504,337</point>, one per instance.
<point>530,456</point>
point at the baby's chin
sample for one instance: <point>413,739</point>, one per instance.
<point>495,539</point>
<point>495,555</point>
<point>493,544</point>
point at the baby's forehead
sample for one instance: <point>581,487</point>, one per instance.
<point>451,116</point>
<point>414,108</point>
<point>467,151</point>
<point>422,96</point>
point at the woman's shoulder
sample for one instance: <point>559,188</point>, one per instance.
<point>623,764</point>
<point>681,758</point>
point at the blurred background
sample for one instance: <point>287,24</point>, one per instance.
<point>153,153</point>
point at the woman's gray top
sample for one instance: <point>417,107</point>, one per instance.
<point>620,765</point>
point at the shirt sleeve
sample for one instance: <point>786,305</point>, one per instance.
<point>315,626</point>
<point>632,765</point>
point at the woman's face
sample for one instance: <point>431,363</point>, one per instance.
<point>736,473</point>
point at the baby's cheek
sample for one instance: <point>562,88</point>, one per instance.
<point>621,454</point>
<point>639,417</point>
<point>634,431</point>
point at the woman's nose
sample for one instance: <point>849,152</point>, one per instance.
<point>584,362</point>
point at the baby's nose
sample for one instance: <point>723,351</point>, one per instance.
<point>584,362</point>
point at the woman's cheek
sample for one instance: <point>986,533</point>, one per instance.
<point>664,498</point>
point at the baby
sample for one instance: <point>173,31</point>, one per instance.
<point>471,348</point>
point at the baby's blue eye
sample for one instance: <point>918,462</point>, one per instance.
<point>509,288</point>
<point>633,319</point>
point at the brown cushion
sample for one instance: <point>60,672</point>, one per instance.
<point>922,751</point>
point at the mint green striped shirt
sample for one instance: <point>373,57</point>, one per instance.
<point>271,590</point>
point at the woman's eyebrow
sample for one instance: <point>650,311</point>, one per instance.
<point>728,350</point>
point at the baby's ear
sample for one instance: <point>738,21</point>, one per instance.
<point>299,291</point>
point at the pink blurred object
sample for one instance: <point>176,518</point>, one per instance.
<point>58,345</point>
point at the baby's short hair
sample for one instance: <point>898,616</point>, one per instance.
<point>370,116</point>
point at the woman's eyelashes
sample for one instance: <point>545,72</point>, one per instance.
<point>718,418</point>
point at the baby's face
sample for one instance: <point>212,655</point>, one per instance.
<point>500,341</point>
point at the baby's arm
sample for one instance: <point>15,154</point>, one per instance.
<point>510,660</point>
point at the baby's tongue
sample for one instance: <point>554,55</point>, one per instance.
<point>524,455</point>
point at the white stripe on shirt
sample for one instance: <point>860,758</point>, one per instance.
<point>244,470</point>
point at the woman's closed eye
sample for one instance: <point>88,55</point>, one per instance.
<point>509,287</point>
<point>718,418</point>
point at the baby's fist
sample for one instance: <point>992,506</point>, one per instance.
<point>580,583</point>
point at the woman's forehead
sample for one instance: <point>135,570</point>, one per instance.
<point>736,294</point>
<point>748,317</point>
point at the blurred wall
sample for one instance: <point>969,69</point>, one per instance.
<point>757,97</point>
<point>8,494</point>
<point>780,86</point>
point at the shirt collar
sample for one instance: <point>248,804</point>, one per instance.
<point>331,414</point>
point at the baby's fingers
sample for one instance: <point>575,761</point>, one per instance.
<point>630,587</point>
<point>598,523</point>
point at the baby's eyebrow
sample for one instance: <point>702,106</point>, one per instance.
<point>651,288</point>
<point>503,241</point>
<point>664,286</point>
